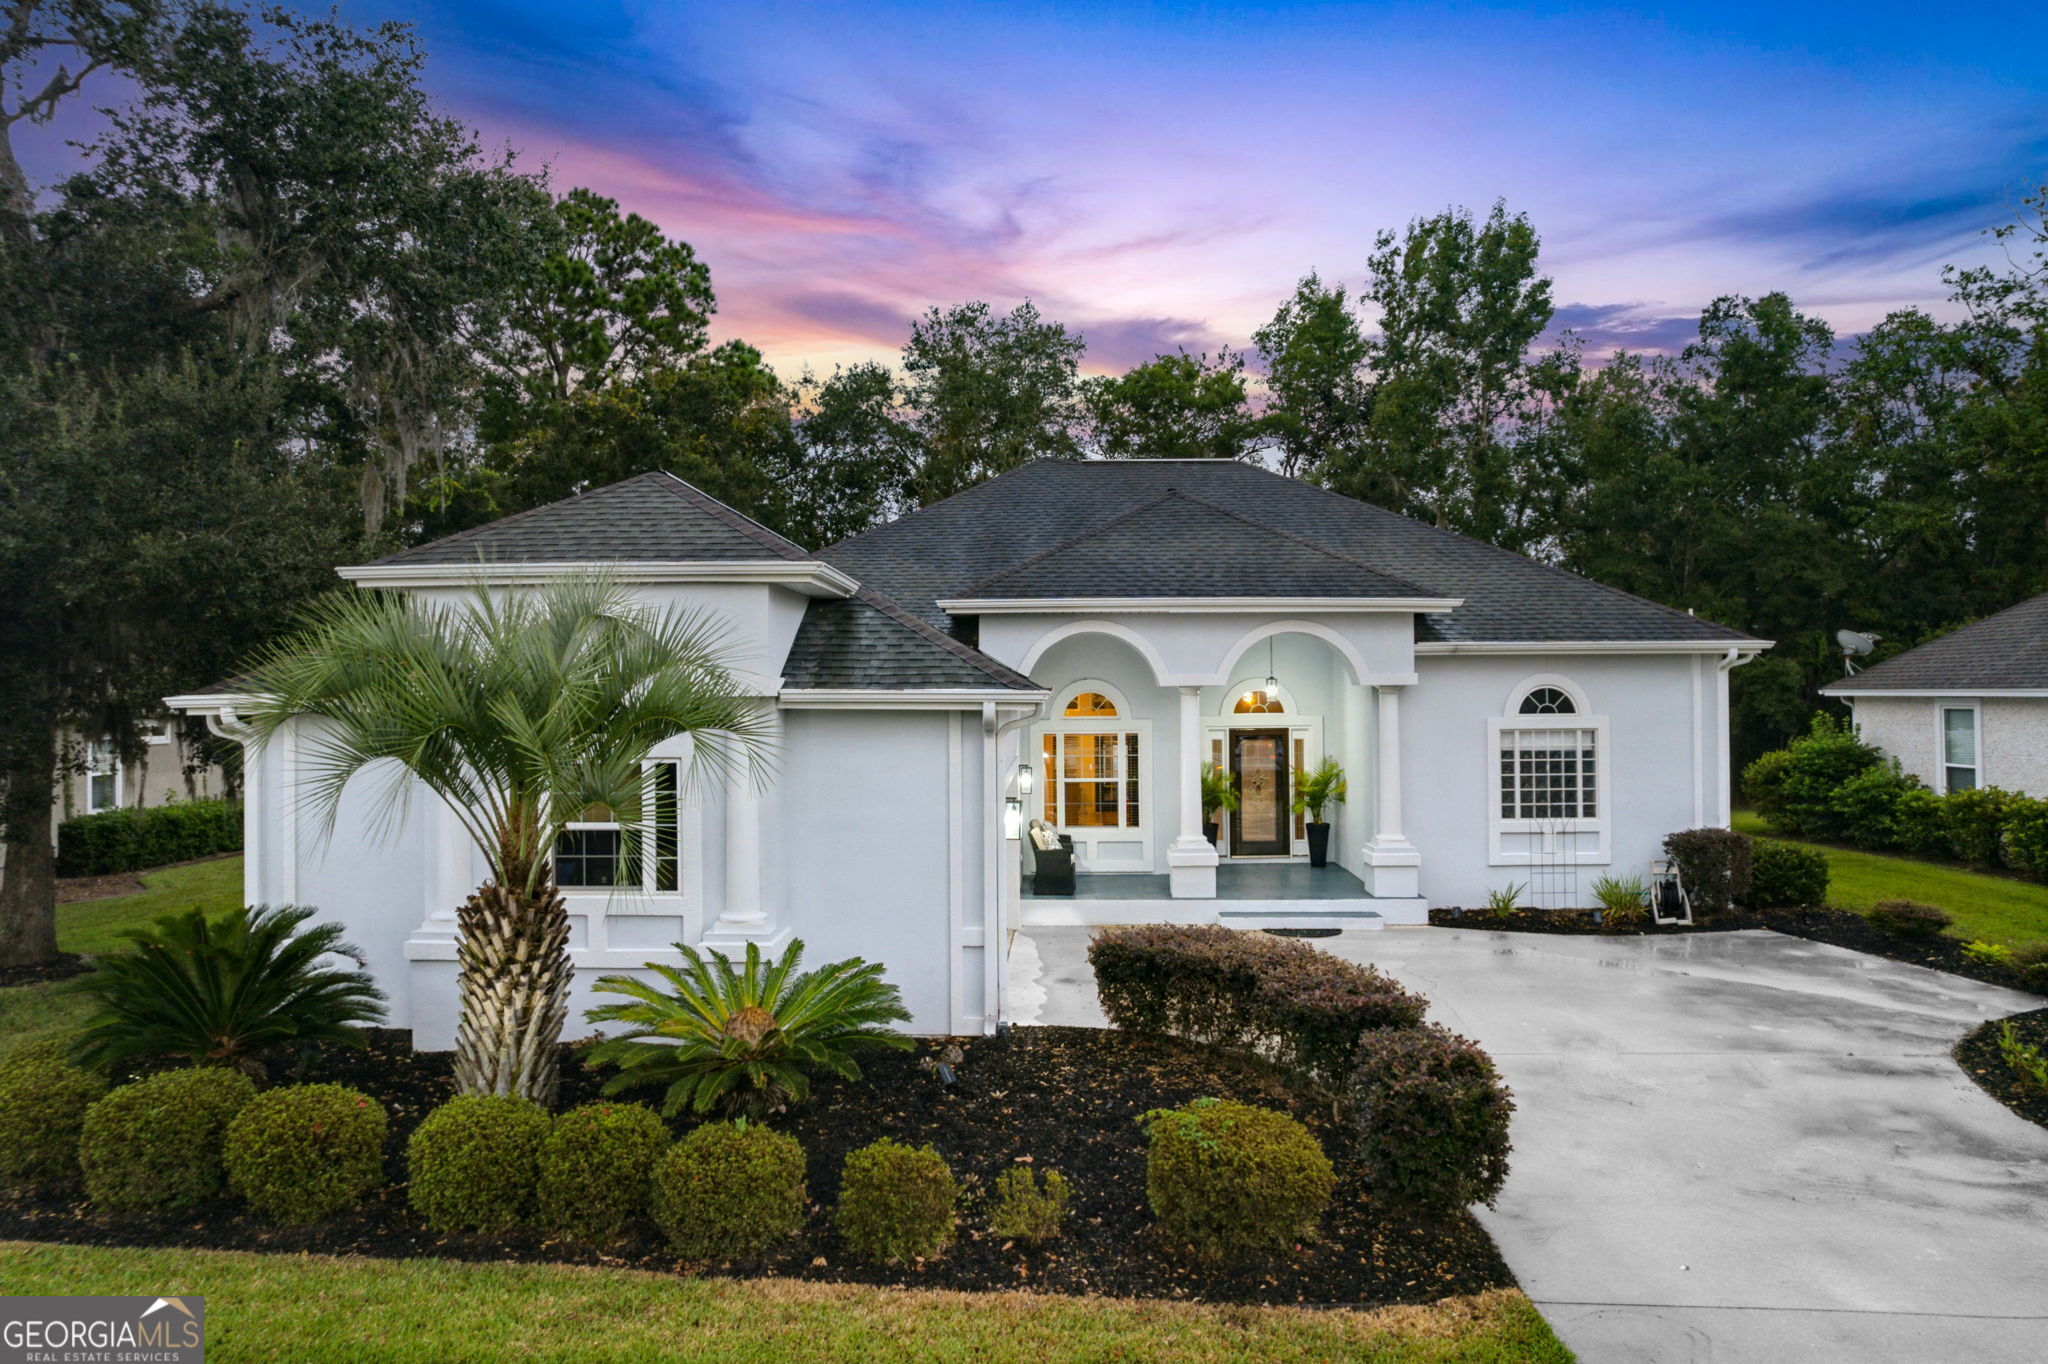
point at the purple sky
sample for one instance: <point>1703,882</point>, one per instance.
<point>1159,175</point>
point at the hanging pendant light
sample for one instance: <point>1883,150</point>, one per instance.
<point>1272,682</point>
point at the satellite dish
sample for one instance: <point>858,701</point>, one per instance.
<point>1856,643</point>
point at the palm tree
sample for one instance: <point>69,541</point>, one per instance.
<point>522,710</point>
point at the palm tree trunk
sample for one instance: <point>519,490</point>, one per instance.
<point>514,990</point>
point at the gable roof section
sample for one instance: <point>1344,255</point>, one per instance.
<point>868,643</point>
<point>1180,545</point>
<point>994,528</point>
<point>651,517</point>
<point>2005,652</point>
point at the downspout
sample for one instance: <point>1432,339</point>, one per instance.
<point>1730,661</point>
<point>225,724</point>
<point>995,864</point>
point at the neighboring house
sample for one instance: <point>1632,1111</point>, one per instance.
<point>98,780</point>
<point>1967,709</point>
<point>1070,642</point>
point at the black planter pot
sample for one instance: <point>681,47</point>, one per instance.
<point>1319,845</point>
<point>1209,831</point>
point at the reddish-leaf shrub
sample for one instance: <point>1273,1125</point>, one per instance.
<point>1716,866</point>
<point>1278,998</point>
<point>1432,1117</point>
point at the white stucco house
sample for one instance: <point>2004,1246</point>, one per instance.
<point>1068,643</point>
<point>1966,709</point>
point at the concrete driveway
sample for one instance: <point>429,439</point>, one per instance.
<point>1728,1146</point>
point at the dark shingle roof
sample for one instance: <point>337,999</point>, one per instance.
<point>991,529</point>
<point>1184,546</point>
<point>652,516</point>
<point>867,642</point>
<point>2008,650</point>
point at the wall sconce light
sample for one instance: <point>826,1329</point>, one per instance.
<point>1013,817</point>
<point>1023,779</point>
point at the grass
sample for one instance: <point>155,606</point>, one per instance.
<point>1988,908</point>
<point>30,1013</point>
<point>319,1308</point>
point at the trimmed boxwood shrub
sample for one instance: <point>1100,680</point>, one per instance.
<point>1432,1118</point>
<point>1909,919</point>
<point>1794,788</point>
<point>1273,996</point>
<point>1226,1177</point>
<point>473,1162</point>
<point>1974,822</point>
<point>1025,1209</point>
<point>1917,825</point>
<point>43,1099</point>
<point>134,840</point>
<point>895,1202</point>
<point>2025,838</point>
<point>305,1152</point>
<point>1866,806</point>
<point>594,1169</point>
<point>1784,876</point>
<point>729,1189</point>
<point>156,1144</point>
<point>1716,866</point>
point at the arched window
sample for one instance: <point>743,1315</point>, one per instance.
<point>1089,762</point>
<point>1548,701</point>
<point>1090,705</point>
<point>1259,702</point>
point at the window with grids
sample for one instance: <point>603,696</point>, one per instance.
<point>1091,780</point>
<point>602,852</point>
<point>102,777</point>
<point>1548,774</point>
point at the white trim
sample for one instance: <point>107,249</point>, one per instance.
<point>1600,826</point>
<point>1750,647</point>
<point>995,606</point>
<point>1941,762</point>
<point>1125,721</point>
<point>1113,629</point>
<point>113,769</point>
<point>926,698</point>
<point>1879,694</point>
<point>1361,672</point>
<point>1520,693</point>
<point>808,576</point>
<point>209,703</point>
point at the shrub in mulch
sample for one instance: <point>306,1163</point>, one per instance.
<point>594,1169</point>
<point>304,1152</point>
<point>43,1100</point>
<point>1984,1060</point>
<point>1432,1117</point>
<point>156,1144</point>
<point>1230,1178</point>
<point>1909,919</point>
<point>134,840</point>
<point>896,1202</point>
<point>475,1161</point>
<point>1028,1208</point>
<point>1272,997</point>
<point>1055,1098</point>
<point>729,1189</point>
<point>1785,876</point>
<point>1716,866</point>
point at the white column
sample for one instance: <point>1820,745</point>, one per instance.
<point>1191,860</point>
<point>1392,865</point>
<point>745,916</point>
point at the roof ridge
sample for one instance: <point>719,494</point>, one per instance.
<point>1878,670</point>
<point>1073,539</point>
<point>512,517</point>
<point>737,520</point>
<point>973,657</point>
<point>969,490</point>
<point>1303,540</point>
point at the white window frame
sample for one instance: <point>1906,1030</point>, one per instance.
<point>1941,762</point>
<point>645,898</point>
<point>1307,730</point>
<point>1085,837</point>
<point>1599,826</point>
<point>101,760</point>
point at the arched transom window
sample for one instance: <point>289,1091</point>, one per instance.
<point>1550,760</point>
<point>1549,701</point>
<point>1089,705</point>
<point>1089,763</point>
<point>1259,702</point>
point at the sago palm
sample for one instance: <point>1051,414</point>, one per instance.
<point>522,710</point>
<point>741,1040</point>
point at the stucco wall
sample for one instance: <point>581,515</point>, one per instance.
<point>2013,736</point>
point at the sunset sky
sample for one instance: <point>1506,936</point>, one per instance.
<point>1159,175</point>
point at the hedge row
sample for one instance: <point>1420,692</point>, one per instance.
<point>1830,785</point>
<point>134,840</point>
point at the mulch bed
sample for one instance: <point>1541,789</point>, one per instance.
<point>64,967</point>
<point>1837,927</point>
<point>1061,1098</point>
<point>72,889</point>
<point>1978,1055</point>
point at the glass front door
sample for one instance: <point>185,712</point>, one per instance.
<point>1262,825</point>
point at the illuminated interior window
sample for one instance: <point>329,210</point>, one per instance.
<point>1259,703</point>
<point>1089,705</point>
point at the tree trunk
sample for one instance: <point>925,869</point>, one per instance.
<point>28,880</point>
<point>513,985</point>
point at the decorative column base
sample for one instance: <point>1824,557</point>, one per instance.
<point>1191,869</point>
<point>1393,869</point>
<point>729,937</point>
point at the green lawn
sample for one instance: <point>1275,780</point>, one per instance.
<point>315,1308</point>
<point>30,1013</point>
<point>1991,908</point>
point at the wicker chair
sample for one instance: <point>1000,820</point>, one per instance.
<point>1053,872</point>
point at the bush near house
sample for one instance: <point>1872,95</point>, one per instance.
<point>1027,1209</point>
<point>474,1162</point>
<point>1783,876</point>
<point>1432,1116</point>
<point>1909,919</point>
<point>1281,999</point>
<point>43,1100</point>
<point>1716,865</point>
<point>156,1144</point>
<point>729,1189</point>
<point>135,840</point>
<point>895,1202</point>
<point>305,1152</point>
<point>594,1169</point>
<point>1227,1178</point>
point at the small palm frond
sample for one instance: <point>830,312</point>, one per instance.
<point>223,991</point>
<point>743,1039</point>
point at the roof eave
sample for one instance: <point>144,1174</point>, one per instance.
<point>1594,646</point>
<point>907,698</point>
<point>811,577</point>
<point>1850,689</point>
<point>992,606</point>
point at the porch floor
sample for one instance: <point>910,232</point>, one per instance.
<point>1234,881</point>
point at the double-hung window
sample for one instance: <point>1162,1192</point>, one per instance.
<point>1549,800</point>
<point>1091,775</point>
<point>1549,774</point>
<point>102,777</point>
<point>1959,748</point>
<point>602,851</point>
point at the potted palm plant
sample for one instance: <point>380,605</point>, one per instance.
<point>1312,792</point>
<point>1219,793</point>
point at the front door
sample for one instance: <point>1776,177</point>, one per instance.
<point>1262,826</point>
